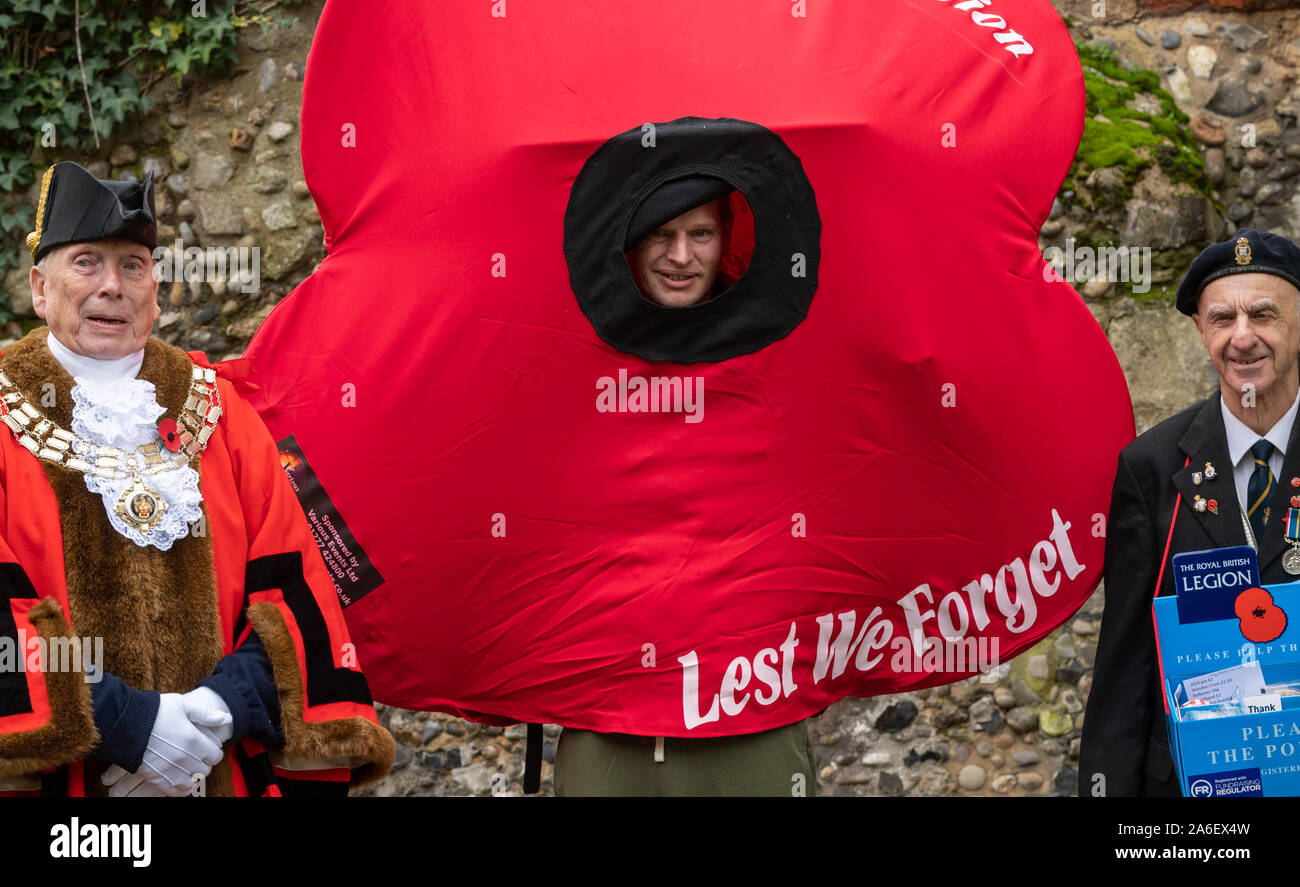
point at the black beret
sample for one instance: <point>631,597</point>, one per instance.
<point>75,207</point>
<point>669,201</point>
<point>1247,252</point>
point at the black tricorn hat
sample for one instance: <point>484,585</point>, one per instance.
<point>75,207</point>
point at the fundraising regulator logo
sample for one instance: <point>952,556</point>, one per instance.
<point>1080,265</point>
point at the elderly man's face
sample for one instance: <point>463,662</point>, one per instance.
<point>99,298</point>
<point>1251,330</point>
<point>677,265</point>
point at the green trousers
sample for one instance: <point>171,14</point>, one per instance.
<point>777,763</point>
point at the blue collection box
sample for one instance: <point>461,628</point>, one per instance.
<point>1237,755</point>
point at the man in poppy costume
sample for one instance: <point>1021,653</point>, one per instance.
<point>677,242</point>
<point>168,626</point>
<point>888,436</point>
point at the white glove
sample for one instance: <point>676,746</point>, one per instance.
<point>123,784</point>
<point>178,749</point>
<point>206,700</point>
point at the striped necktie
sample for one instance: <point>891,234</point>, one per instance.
<point>1260,489</point>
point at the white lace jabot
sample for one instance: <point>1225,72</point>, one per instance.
<point>112,408</point>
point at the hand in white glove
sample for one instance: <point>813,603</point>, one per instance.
<point>124,784</point>
<point>177,748</point>
<point>209,712</point>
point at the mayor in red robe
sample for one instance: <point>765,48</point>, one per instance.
<point>108,603</point>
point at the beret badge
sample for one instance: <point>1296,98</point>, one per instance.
<point>1243,251</point>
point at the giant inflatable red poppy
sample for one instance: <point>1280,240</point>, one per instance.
<point>547,499</point>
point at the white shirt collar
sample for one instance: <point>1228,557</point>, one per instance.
<point>1241,438</point>
<point>102,371</point>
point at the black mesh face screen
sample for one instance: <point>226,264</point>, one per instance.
<point>692,156</point>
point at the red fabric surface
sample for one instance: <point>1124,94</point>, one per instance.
<point>639,536</point>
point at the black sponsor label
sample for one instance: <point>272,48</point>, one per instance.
<point>352,571</point>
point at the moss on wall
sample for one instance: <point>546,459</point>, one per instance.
<point>1118,133</point>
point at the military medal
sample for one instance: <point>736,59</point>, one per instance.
<point>1210,473</point>
<point>1196,478</point>
<point>1291,560</point>
<point>1199,504</point>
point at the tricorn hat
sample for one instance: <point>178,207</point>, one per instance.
<point>75,207</point>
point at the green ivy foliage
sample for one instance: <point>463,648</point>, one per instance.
<point>126,46</point>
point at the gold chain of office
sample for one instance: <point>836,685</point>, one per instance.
<point>140,506</point>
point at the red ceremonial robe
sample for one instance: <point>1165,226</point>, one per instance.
<point>167,618</point>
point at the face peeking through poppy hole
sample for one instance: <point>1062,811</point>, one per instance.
<point>677,265</point>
